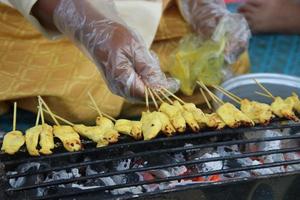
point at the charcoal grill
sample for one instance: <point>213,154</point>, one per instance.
<point>231,188</point>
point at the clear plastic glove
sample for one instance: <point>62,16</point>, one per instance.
<point>211,19</point>
<point>119,52</point>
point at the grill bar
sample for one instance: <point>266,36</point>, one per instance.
<point>172,150</point>
<point>213,133</point>
<point>59,182</point>
<point>156,181</point>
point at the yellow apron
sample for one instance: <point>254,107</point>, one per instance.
<point>31,65</point>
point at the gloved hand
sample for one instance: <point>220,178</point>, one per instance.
<point>210,17</point>
<point>118,51</point>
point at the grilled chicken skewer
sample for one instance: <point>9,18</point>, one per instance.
<point>14,140</point>
<point>280,107</point>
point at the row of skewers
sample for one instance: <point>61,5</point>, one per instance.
<point>171,117</point>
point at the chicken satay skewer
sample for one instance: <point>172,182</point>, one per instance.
<point>68,136</point>
<point>280,107</point>
<point>13,140</point>
<point>232,116</point>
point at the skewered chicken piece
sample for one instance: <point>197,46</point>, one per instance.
<point>294,100</point>
<point>259,113</point>
<point>283,109</point>
<point>68,136</point>
<point>12,142</point>
<point>167,127</point>
<point>46,139</point>
<point>233,117</point>
<point>32,139</point>
<point>99,134</point>
<point>151,125</point>
<point>188,117</point>
<point>214,121</point>
<point>104,122</point>
<point>110,134</point>
<point>175,116</point>
<point>199,116</point>
<point>130,128</point>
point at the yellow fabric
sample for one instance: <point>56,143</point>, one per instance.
<point>31,65</point>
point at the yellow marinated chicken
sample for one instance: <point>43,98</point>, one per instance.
<point>104,122</point>
<point>130,128</point>
<point>101,135</point>
<point>137,130</point>
<point>151,125</point>
<point>46,140</point>
<point>259,113</point>
<point>294,100</point>
<point>188,117</point>
<point>233,117</point>
<point>32,139</point>
<point>283,109</point>
<point>214,121</point>
<point>175,116</point>
<point>68,136</point>
<point>12,142</point>
<point>110,136</point>
<point>199,116</point>
<point>167,127</point>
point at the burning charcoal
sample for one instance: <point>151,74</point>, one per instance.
<point>262,171</point>
<point>210,166</point>
<point>105,181</point>
<point>29,180</point>
<point>170,172</point>
<point>130,190</point>
<point>274,158</point>
<point>196,154</point>
<point>146,176</point>
<point>292,156</point>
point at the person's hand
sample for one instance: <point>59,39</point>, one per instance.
<point>210,17</point>
<point>119,52</point>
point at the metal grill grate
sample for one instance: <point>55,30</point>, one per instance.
<point>61,160</point>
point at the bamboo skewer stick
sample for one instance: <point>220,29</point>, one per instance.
<point>227,94</point>
<point>205,98</point>
<point>262,94</point>
<point>214,97</point>
<point>58,117</point>
<point>265,89</point>
<point>38,117</point>
<point>152,97</point>
<point>15,117</point>
<point>166,97</point>
<point>49,111</point>
<point>42,112</point>
<point>95,104</point>
<point>147,99</point>
<point>173,95</point>
<point>104,114</point>
<point>157,96</point>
